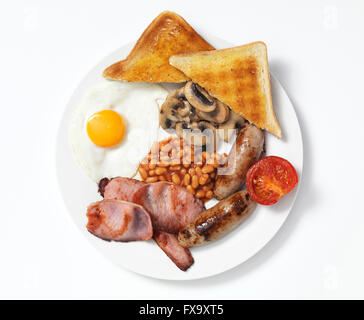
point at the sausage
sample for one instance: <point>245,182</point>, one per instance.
<point>245,151</point>
<point>217,221</point>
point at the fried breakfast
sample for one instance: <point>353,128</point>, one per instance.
<point>157,188</point>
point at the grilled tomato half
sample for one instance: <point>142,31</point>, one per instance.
<point>269,179</point>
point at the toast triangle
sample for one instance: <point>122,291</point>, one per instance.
<point>237,76</point>
<point>167,35</point>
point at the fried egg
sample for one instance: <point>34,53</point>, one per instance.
<point>114,126</point>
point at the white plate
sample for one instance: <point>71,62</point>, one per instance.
<point>145,257</point>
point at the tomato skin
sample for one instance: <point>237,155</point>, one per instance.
<point>269,179</point>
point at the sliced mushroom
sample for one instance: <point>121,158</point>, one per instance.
<point>233,125</point>
<point>202,126</point>
<point>191,107</point>
<point>219,115</point>
<point>177,93</point>
<point>168,115</point>
<point>185,109</point>
<point>198,97</point>
<point>193,115</point>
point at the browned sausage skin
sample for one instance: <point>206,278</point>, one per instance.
<point>244,153</point>
<point>217,221</point>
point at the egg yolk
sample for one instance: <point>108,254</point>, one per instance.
<point>106,128</point>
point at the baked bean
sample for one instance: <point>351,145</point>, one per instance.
<point>207,168</point>
<point>203,179</point>
<point>200,194</point>
<point>151,179</point>
<point>195,182</point>
<point>162,178</point>
<point>143,173</point>
<point>209,194</point>
<point>151,172</point>
<point>176,179</point>
<point>145,165</point>
<point>175,168</point>
<point>163,164</point>
<point>152,166</point>
<point>187,179</point>
<point>159,171</point>
<point>198,171</point>
<point>190,189</point>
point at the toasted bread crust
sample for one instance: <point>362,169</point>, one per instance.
<point>148,61</point>
<point>237,76</point>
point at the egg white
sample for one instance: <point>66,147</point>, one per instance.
<point>137,104</point>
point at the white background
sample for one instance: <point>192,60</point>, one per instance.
<point>316,50</point>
